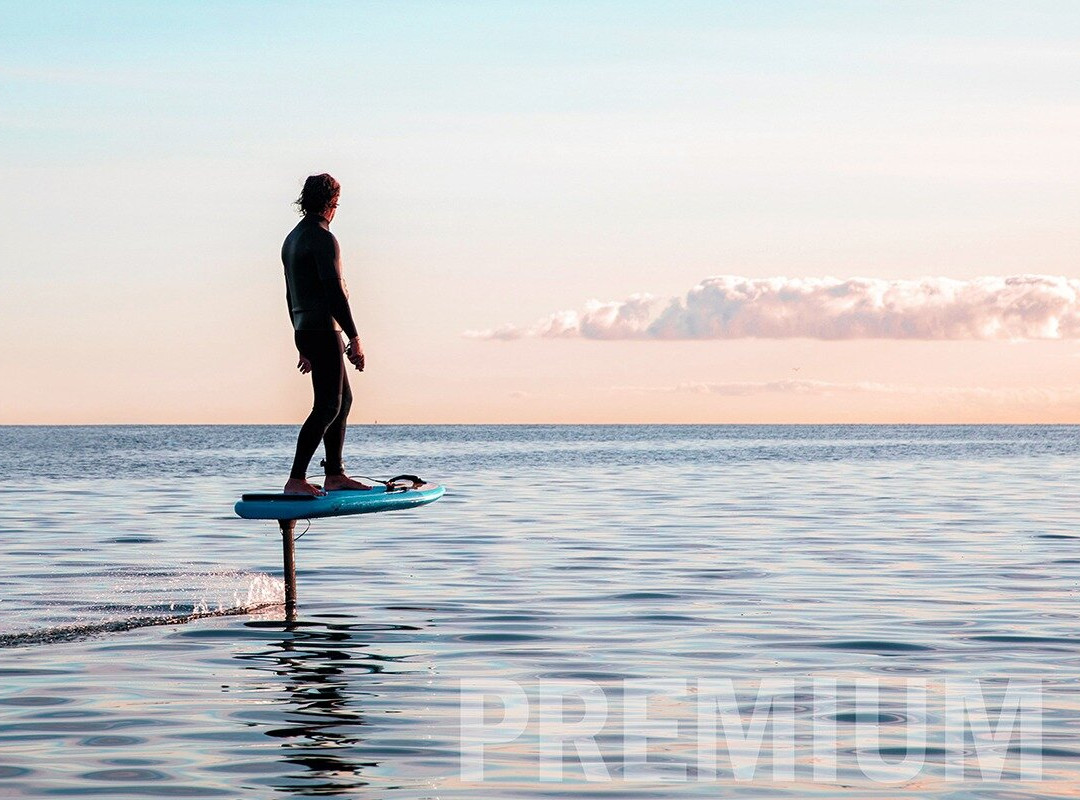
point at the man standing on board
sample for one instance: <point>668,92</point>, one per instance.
<point>319,307</point>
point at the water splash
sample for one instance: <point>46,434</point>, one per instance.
<point>214,594</point>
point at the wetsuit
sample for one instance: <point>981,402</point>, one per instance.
<point>319,308</point>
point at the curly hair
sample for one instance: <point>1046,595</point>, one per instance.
<point>319,192</point>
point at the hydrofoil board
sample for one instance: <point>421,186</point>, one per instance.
<point>336,503</point>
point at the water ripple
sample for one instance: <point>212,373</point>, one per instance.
<point>590,558</point>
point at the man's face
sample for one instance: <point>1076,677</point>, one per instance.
<point>331,210</point>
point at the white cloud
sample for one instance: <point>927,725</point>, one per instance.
<point>733,307</point>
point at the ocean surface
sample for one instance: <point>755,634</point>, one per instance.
<point>498,643</point>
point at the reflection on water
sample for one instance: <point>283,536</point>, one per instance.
<point>321,729</point>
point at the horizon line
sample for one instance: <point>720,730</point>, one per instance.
<point>536,424</point>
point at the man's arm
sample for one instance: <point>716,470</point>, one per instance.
<point>328,264</point>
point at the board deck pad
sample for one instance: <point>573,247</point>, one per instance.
<point>335,504</point>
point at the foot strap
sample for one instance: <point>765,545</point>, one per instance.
<point>399,483</point>
<point>403,483</point>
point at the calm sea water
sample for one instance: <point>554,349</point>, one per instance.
<point>143,650</point>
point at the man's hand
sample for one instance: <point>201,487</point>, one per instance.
<point>303,365</point>
<point>355,353</point>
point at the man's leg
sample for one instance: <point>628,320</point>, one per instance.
<point>323,350</point>
<point>334,438</point>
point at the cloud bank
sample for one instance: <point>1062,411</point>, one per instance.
<point>1003,396</point>
<point>1016,394</point>
<point>732,307</point>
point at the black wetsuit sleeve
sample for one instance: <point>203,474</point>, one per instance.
<point>328,264</point>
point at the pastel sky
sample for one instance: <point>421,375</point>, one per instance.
<point>553,211</point>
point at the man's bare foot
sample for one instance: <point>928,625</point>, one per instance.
<point>301,486</point>
<point>335,483</point>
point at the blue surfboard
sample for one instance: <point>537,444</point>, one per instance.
<point>336,503</point>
